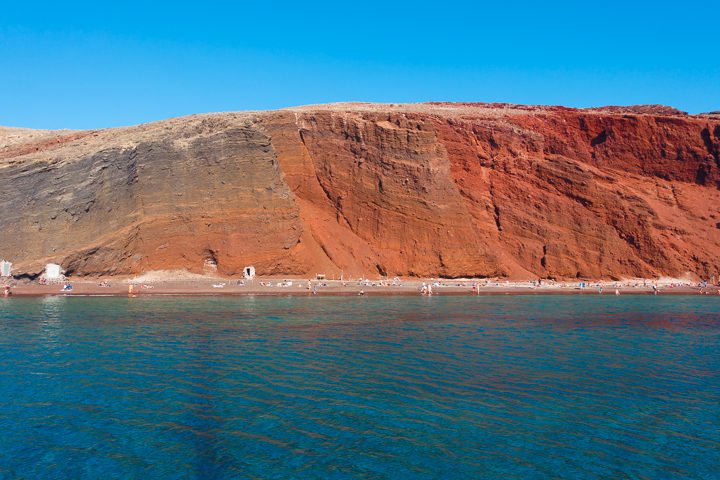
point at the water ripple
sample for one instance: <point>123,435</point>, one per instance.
<point>488,387</point>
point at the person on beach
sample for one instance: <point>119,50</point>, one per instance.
<point>7,292</point>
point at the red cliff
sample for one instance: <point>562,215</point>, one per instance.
<point>452,190</point>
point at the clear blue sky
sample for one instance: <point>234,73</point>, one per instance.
<point>100,64</point>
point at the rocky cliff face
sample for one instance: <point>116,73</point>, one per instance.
<point>424,189</point>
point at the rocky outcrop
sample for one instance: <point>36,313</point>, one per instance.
<point>452,190</point>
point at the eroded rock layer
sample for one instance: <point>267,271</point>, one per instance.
<point>451,190</point>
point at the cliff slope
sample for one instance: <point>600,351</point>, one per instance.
<point>452,190</point>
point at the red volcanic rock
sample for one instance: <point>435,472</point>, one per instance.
<point>647,109</point>
<point>438,189</point>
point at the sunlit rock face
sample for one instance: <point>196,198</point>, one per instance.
<point>449,190</point>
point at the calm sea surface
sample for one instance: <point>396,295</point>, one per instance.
<point>360,387</point>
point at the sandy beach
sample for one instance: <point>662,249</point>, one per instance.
<point>285,286</point>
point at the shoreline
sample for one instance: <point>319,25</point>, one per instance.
<point>282,287</point>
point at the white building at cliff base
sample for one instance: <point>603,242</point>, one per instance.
<point>53,272</point>
<point>5,268</point>
<point>249,272</point>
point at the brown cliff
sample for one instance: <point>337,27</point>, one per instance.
<point>452,190</point>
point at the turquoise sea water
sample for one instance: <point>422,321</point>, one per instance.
<point>360,387</point>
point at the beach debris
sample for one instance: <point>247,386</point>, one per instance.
<point>210,266</point>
